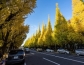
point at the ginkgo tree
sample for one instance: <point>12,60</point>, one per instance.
<point>60,28</point>
<point>13,13</point>
<point>66,33</point>
<point>48,34</point>
<point>41,42</point>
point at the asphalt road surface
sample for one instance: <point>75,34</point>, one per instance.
<point>48,58</point>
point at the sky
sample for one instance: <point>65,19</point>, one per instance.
<point>45,8</point>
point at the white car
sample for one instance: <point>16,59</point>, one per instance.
<point>79,52</point>
<point>39,49</point>
<point>63,51</point>
<point>49,50</point>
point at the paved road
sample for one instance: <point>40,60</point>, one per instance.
<point>43,58</point>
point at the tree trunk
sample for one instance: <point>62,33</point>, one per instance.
<point>4,48</point>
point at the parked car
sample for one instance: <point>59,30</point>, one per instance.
<point>79,52</point>
<point>39,49</point>
<point>27,50</point>
<point>49,50</point>
<point>63,51</point>
<point>15,56</point>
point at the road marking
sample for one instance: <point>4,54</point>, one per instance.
<point>64,58</point>
<point>80,57</point>
<point>51,61</point>
<point>70,59</point>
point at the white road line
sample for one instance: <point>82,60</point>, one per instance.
<point>70,59</point>
<point>64,58</point>
<point>78,57</point>
<point>51,61</point>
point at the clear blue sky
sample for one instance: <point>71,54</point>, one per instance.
<point>45,8</point>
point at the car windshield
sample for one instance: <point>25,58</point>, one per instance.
<point>16,52</point>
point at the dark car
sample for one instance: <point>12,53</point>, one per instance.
<point>15,57</point>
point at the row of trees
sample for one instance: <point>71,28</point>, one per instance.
<point>66,34</point>
<point>12,16</point>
